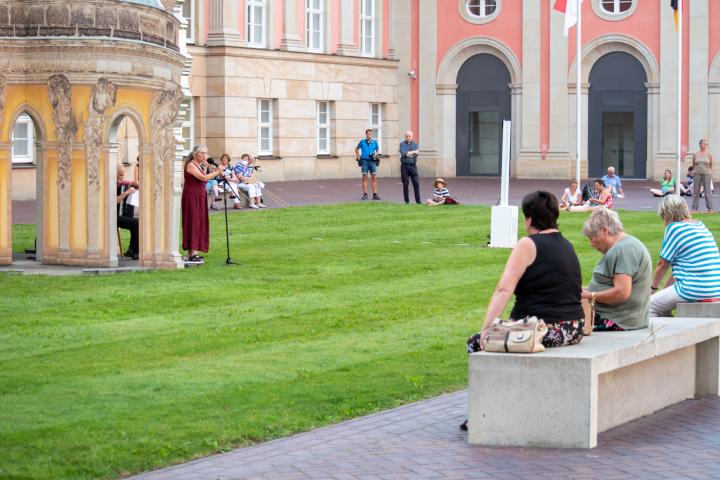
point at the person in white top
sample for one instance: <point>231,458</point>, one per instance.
<point>572,196</point>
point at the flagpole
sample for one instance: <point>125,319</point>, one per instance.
<point>679,96</point>
<point>578,47</point>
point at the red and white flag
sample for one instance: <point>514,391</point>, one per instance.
<point>570,9</point>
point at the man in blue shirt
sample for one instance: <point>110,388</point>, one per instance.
<point>365,154</point>
<point>613,182</point>
<point>409,151</point>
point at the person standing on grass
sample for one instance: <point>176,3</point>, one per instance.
<point>702,163</point>
<point>365,154</point>
<point>195,222</point>
<point>409,150</point>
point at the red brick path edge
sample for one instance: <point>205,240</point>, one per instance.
<point>422,441</point>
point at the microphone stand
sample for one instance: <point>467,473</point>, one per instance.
<point>226,187</point>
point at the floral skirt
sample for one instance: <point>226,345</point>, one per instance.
<point>559,334</point>
<point>602,324</point>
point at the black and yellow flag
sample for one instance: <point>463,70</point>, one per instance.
<point>674,5</point>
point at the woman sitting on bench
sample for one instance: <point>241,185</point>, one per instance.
<point>621,279</point>
<point>543,272</point>
<point>690,248</point>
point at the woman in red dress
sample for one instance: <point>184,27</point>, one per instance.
<point>195,222</point>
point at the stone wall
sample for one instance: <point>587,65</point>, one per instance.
<point>60,18</point>
<point>227,85</point>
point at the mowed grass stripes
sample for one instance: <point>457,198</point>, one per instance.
<point>334,312</point>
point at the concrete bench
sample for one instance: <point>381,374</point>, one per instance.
<point>564,397</point>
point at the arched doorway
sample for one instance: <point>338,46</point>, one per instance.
<point>483,102</point>
<point>125,153</point>
<point>27,137</point>
<point>617,116</point>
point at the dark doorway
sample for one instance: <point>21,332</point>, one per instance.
<point>483,102</point>
<point>617,117</point>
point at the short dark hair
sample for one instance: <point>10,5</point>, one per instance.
<point>542,209</point>
<point>368,130</point>
<point>600,181</point>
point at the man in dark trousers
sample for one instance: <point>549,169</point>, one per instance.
<point>409,151</point>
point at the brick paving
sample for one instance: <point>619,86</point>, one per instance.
<point>469,190</point>
<point>422,441</point>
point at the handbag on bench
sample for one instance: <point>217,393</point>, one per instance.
<point>521,336</point>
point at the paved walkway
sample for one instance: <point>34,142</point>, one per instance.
<point>470,190</point>
<point>422,441</point>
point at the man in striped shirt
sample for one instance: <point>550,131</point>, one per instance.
<point>690,248</point>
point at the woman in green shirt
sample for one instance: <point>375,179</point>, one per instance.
<point>667,186</point>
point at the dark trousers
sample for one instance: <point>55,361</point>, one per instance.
<point>132,224</point>
<point>410,172</point>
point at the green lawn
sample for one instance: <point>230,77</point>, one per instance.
<point>335,312</point>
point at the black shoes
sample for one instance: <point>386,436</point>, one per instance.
<point>376,196</point>
<point>463,426</point>
<point>364,197</point>
<point>131,254</point>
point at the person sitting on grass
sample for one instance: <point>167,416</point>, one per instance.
<point>603,198</point>
<point>621,279</point>
<point>441,194</point>
<point>689,247</point>
<point>614,183</point>
<point>572,196</point>
<point>667,186</point>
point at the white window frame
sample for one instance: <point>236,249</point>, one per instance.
<point>319,13</point>
<point>324,125</point>
<point>482,4</point>
<point>189,123</point>
<point>190,35</point>
<point>365,19</point>
<point>24,119</point>
<point>376,122</point>
<point>251,6</point>
<point>616,7</point>
<point>268,125</point>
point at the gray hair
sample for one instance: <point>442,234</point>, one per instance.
<point>602,218</point>
<point>673,208</point>
<point>192,153</point>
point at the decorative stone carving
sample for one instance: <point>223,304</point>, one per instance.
<point>60,93</point>
<point>103,97</point>
<point>104,94</point>
<point>163,116</point>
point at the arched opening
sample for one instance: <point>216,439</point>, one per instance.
<point>125,153</point>
<point>617,116</point>
<point>26,139</point>
<point>483,102</point>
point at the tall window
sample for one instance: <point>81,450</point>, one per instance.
<point>314,21</point>
<point>256,23</point>
<point>22,140</point>
<point>264,127</point>
<point>481,8</point>
<point>376,122</point>
<point>616,6</point>
<point>323,128</point>
<point>188,127</point>
<point>367,27</point>
<point>188,10</point>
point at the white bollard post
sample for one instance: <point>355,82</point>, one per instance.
<point>504,217</point>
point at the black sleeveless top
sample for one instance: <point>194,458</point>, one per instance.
<point>550,287</point>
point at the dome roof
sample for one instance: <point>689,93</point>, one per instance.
<point>148,3</point>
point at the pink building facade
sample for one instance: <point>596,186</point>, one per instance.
<point>298,81</point>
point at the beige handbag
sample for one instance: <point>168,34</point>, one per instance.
<point>521,336</point>
<point>589,311</point>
